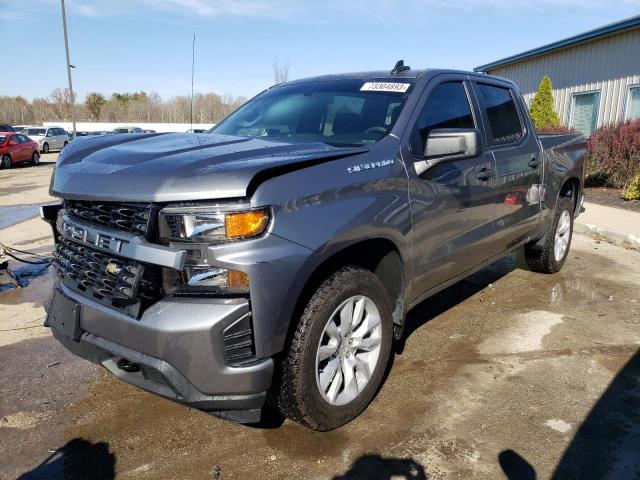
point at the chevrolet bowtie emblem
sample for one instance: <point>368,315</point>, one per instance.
<point>113,268</point>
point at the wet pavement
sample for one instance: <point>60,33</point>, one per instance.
<point>508,374</point>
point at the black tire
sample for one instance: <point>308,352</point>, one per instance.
<point>65,144</point>
<point>295,393</point>
<point>543,259</point>
<point>6,162</point>
<point>45,148</point>
<point>35,158</point>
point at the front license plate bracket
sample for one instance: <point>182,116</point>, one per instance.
<point>64,315</point>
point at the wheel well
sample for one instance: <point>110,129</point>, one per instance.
<point>379,256</point>
<point>571,189</point>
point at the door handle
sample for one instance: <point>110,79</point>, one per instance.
<point>484,174</point>
<point>533,163</point>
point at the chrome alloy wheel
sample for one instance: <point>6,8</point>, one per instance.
<point>348,351</point>
<point>562,236</point>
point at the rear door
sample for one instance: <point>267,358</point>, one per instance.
<point>510,139</point>
<point>452,203</point>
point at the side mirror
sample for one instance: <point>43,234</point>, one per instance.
<point>449,144</point>
<point>12,143</point>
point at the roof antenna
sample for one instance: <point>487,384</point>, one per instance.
<point>400,67</point>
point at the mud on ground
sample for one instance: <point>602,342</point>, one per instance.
<point>506,373</point>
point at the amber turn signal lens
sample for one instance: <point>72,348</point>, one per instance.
<point>236,279</point>
<point>246,224</point>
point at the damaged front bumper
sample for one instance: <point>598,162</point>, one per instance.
<point>176,350</point>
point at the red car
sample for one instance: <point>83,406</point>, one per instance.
<point>16,148</point>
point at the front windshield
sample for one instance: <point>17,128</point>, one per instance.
<point>340,113</point>
<point>33,131</point>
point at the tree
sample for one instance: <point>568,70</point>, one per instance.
<point>543,114</point>
<point>94,102</point>
<point>280,72</point>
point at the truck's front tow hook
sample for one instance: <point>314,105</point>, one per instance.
<point>128,366</point>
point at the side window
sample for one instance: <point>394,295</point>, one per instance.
<point>446,107</point>
<point>21,139</point>
<point>501,111</point>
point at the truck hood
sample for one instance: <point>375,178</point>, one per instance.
<point>177,167</point>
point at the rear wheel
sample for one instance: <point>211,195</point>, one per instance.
<point>45,148</point>
<point>6,162</point>
<point>551,257</point>
<point>339,351</point>
<point>35,158</point>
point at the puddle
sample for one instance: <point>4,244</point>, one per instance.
<point>17,213</point>
<point>14,214</point>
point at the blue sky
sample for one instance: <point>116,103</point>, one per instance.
<point>121,45</point>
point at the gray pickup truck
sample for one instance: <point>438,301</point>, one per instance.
<point>273,260</point>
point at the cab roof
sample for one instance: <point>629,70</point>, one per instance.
<point>386,75</point>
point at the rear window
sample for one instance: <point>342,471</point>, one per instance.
<point>501,111</point>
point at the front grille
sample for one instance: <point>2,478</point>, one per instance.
<point>113,281</point>
<point>128,217</point>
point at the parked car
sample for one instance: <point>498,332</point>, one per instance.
<point>16,148</point>
<point>18,128</point>
<point>5,127</point>
<point>119,130</point>
<point>48,138</point>
<point>278,256</point>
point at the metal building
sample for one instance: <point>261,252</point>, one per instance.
<point>595,75</point>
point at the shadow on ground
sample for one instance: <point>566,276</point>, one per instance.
<point>607,444</point>
<point>78,459</point>
<point>375,467</point>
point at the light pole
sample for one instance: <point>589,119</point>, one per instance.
<point>69,66</point>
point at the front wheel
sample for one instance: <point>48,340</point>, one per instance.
<point>339,351</point>
<point>6,162</point>
<point>65,144</point>
<point>555,250</point>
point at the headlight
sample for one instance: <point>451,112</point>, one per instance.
<point>198,228</point>
<point>208,225</point>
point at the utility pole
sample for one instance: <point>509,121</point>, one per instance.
<point>193,63</point>
<point>69,66</point>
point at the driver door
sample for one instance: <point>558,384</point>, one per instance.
<point>452,203</point>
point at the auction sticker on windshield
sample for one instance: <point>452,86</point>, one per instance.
<point>385,87</point>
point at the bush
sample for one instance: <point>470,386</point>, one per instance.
<point>555,130</point>
<point>613,153</point>
<point>632,192</point>
<point>542,113</point>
